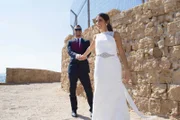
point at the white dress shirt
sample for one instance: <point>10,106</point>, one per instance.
<point>77,55</point>
<point>79,40</point>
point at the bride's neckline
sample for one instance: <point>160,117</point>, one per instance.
<point>111,33</point>
<point>104,32</point>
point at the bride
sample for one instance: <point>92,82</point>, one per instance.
<point>110,94</point>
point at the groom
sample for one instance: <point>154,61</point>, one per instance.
<point>78,69</point>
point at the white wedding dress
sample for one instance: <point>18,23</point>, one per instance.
<point>110,94</point>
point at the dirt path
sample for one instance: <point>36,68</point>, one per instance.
<point>40,102</point>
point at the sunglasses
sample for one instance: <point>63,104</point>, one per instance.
<point>99,20</point>
<point>78,29</point>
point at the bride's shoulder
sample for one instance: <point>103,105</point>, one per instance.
<point>116,34</point>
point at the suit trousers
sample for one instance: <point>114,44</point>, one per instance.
<point>85,81</point>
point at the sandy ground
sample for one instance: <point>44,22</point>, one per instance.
<point>40,102</point>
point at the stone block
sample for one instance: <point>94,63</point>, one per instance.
<point>173,27</point>
<point>174,92</point>
<point>159,91</point>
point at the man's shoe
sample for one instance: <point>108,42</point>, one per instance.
<point>91,114</point>
<point>74,114</point>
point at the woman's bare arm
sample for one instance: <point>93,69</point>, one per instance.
<point>121,51</point>
<point>123,57</point>
<point>90,48</point>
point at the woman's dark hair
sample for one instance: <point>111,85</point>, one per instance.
<point>106,18</point>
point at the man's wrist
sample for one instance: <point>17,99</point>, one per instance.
<point>77,55</point>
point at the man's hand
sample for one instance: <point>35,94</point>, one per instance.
<point>78,56</point>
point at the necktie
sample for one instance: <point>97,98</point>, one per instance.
<point>79,43</point>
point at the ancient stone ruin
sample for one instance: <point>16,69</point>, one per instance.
<point>151,39</point>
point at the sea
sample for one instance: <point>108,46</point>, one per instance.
<point>2,77</point>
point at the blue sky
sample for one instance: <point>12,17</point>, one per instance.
<point>32,33</point>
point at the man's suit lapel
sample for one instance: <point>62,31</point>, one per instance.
<point>82,41</point>
<point>73,44</point>
<point>82,44</point>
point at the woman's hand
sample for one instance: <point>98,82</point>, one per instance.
<point>82,57</point>
<point>127,76</point>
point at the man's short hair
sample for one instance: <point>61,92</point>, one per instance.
<point>77,26</point>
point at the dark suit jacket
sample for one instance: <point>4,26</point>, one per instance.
<point>76,66</point>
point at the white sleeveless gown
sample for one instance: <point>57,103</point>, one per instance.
<point>110,94</point>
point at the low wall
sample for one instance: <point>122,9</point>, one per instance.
<point>20,75</point>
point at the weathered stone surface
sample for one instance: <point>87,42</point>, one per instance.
<point>165,64</point>
<point>143,18</point>
<point>156,7</point>
<point>160,30</point>
<point>177,38</point>
<point>150,64</point>
<point>138,10</point>
<point>150,31</point>
<point>177,16</point>
<point>90,32</point>
<point>113,12</point>
<point>135,60</point>
<point>20,75</point>
<point>65,81</point>
<point>152,76</point>
<point>176,76</point>
<point>142,103</point>
<point>169,17</point>
<point>156,52</point>
<point>176,64</point>
<point>169,5</point>
<point>175,52</point>
<point>142,90</point>
<point>146,43</point>
<point>165,51</point>
<point>165,76</point>
<point>134,44</point>
<point>174,92</point>
<point>170,40</point>
<point>150,24</point>
<point>154,106</point>
<point>173,27</point>
<point>136,66</point>
<point>169,107</point>
<point>161,44</point>
<point>69,37</point>
<point>161,18</point>
<point>141,78</point>
<point>159,91</point>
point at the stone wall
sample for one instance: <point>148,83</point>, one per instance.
<point>19,76</point>
<point>151,39</point>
